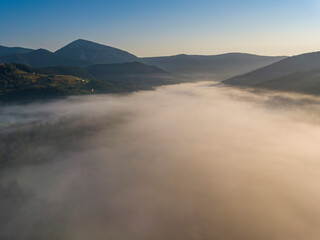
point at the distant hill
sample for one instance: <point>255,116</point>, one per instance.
<point>95,53</point>
<point>303,82</point>
<point>64,70</point>
<point>134,68</point>
<point>42,58</point>
<point>302,63</point>
<point>23,83</point>
<point>18,83</point>
<point>123,76</point>
<point>133,75</point>
<point>104,71</point>
<point>13,50</point>
<point>218,67</point>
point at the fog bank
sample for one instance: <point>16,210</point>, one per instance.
<point>187,161</point>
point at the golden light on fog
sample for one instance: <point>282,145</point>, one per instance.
<point>186,161</point>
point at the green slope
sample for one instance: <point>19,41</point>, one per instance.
<point>23,83</point>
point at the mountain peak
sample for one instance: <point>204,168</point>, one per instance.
<point>41,50</point>
<point>96,53</point>
<point>84,41</point>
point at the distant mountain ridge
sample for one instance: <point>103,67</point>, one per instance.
<point>13,50</point>
<point>85,53</point>
<point>300,73</point>
<point>42,58</point>
<point>95,53</point>
<point>78,53</point>
<point>290,65</point>
<point>212,66</point>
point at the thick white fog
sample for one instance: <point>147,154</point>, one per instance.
<point>188,161</point>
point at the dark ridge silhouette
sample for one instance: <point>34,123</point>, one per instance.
<point>124,76</point>
<point>133,68</point>
<point>303,82</point>
<point>84,53</point>
<point>13,50</point>
<point>100,71</point>
<point>96,53</point>
<point>303,62</point>
<point>42,58</point>
<point>215,66</point>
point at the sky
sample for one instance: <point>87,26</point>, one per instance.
<point>165,27</point>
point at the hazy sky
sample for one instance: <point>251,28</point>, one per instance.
<point>165,27</point>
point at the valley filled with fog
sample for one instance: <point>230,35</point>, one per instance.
<point>186,161</point>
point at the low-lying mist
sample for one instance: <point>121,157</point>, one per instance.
<point>187,161</point>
